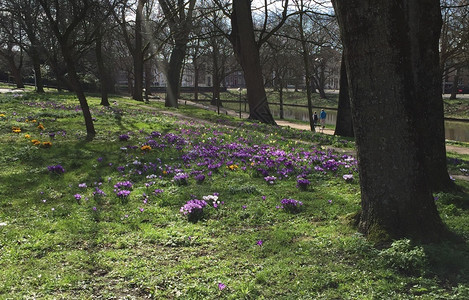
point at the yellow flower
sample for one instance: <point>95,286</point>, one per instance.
<point>33,121</point>
<point>145,148</point>
<point>27,136</point>
<point>164,172</point>
<point>46,144</point>
<point>40,126</point>
<point>35,142</point>
<point>2,115</point>
<point>233,167</point>
<point>16,129</point>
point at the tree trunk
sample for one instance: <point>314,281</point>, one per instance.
<point>454,88</point>
<point>38,75</point>
<point>174,74</point>
<point>427,75</point>
<point>102,71</point>
<point>148,80</point>
<point>396,198</point>
<point>215,74</point>
<point>280,96</point>
<point>15,71</point>
<point>138,55</point>
<point>305,55</point>
<point>78,89</point>
<point>247,54</point>
<point>344,125</point>
<point>216,91</point>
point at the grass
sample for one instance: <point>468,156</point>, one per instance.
<point>53,246</point>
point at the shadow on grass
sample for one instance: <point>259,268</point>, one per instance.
<point>449,260</point>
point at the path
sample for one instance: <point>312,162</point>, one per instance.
<point>449,148</point>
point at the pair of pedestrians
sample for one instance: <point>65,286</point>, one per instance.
<point>322,118</point>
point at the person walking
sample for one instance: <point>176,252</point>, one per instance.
<point>315,118</point>
<point>322,117</point>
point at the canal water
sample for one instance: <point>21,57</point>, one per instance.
<point>454,130</point>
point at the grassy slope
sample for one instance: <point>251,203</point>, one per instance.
<point>53,246</point>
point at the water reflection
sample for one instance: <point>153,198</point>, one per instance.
<point>456,131</point>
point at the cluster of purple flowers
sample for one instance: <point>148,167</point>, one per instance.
<point>57,169</point>
<point>123,185</point>
<point>290,205</point>
<point>199,178</point>
<point>123,194</point>
<point>193,209</point>
<point>302,183</point>
<point>124,137</point>
<point>99,193</point>
<point>270,179</point>
<point>180,178</point>
<point>122,189</point>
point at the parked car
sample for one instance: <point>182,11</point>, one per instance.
<point>462,89</point>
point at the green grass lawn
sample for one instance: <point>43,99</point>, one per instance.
<point>73,233</point>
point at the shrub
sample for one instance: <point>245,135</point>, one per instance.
<point>404,257</point>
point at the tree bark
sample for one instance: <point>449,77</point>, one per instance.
<point>102,72</point>
<point>216,74</point>
<point>247,54</point>
<point>138,55</point>
<point>148,80</point>
<point>174,74</point>
<point>344,124</point>
<point>428,90</point>
<point>15,71</point>
<point>308,79</point>
<point>77,87</point>
<point>454,88</point>
<point>38,75</point>
<point>396,198</point>
<point>280,96</point>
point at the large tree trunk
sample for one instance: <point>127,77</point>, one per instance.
<point>174,74</point>
<point>15,71</point>
<point>344,124</point>
<point>216,91</point>
<point>34,54</point>
<point>138,55</point>
<point>308,79</point>
<point>37,75</point>
<point>215,74</point>
<point>247,53</point>
<point>427,75</point>
<point>396,198</point>
<point>103,76</point>
<point>78,89</point>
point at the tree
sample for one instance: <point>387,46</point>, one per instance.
<point>386,53</point>
<point>178,16</point>
<point>344,124</point>
<point>133,37</point>
<point>68,23</point>
<point>11,37</point>
<point>454,41</point>
<point>27,14</point>
<point>247,52</point>
<point>213,31</point>
<point>305,54</point>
